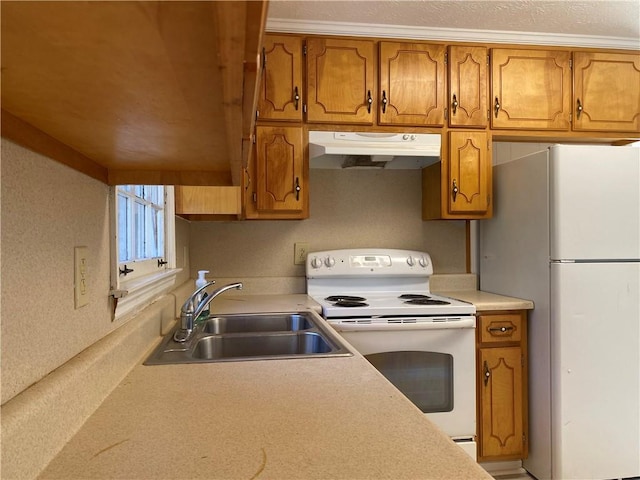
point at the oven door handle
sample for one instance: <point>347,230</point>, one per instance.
<point>346,326</point>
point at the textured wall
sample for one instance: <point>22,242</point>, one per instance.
<point>47,210</point>
<point>349,208</point>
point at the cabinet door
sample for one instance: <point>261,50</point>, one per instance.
<point>412,84</point>
<point>281,85</point>
<point>280,172</point>
<point>606,91</point>
<point>468,87</point>
<point>469,177</point>
<point>340,80</point>
<point>530,89</point>
<point>501,426</point>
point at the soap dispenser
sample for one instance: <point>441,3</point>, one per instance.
<point>201,282</point>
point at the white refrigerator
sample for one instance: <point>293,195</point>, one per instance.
<point>566,234</point>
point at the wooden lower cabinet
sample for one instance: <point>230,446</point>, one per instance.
<point>501,341</point>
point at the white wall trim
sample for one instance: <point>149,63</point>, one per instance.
<point>448,34</point>
<point>144,291</point>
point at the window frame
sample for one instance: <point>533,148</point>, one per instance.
<point>133,294</point>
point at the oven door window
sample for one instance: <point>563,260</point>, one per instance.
<point>425,378</point>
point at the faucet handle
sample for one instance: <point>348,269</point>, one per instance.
<point>189,305</point>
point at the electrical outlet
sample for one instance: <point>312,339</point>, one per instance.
<point>300,253</point>
<point>81,277</point>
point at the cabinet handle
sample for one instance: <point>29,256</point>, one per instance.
<point>500,329</point>
<point>454,190</point>
<point>297,188</point>
<point>369,101</point>
<point>454,104</point>
<point>384,101</point>
<point>487,373</point>
<point>296,97</point>
<point>496,107</point>
<point>579,109</point>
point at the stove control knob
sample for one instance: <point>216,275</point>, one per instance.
<point>316,262</point>
<point>329,262</point>
<point>423,262</point>
<point>410,261</point>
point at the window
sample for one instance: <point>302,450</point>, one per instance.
<point>143,247</point>
<point>140,229</point>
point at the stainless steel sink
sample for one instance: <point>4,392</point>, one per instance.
<point>221,346</point>
<point>222,324</point>
<point>224,338</point>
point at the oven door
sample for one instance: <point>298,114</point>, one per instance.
<point>433,365</point>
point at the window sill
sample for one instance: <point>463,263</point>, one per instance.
<point>137,294</point>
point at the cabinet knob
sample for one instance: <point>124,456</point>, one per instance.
<point>297,188</point>
<point>384,101</point>
<point>296,97</point>
<point>454,104</point>
<point>454,190</point>
<point>369,101</point>
<point>496,107</point>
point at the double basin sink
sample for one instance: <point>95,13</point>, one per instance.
<point>236,337</point>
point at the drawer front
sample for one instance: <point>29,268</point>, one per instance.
<point>500,328</point>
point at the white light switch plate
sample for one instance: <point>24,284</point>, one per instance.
<point>81,277</point>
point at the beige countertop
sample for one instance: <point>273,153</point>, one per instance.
<point>296,418</point>
<point>485,301</point>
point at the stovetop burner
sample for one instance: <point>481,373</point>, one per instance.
<point>413,296</point>
<point>427,301</point>
<point>350,303</point>
<point>347,301</point>
<point>347,298</point>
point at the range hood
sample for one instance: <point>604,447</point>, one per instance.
<point>373,150</point>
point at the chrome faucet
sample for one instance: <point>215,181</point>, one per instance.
<point>190,311</point>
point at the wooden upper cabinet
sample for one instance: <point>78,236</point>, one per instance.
<point>280,173</point>
<point>606,91</point>
<point>281,86</point>
<point>412,84</point>
<point>530,89</point>
<point>340,80</point>
<point>468,86</point>
<point>469,173</point>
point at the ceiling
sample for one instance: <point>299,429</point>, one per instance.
<point>600,23</point>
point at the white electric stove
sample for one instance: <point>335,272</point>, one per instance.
<point>379,300</point>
